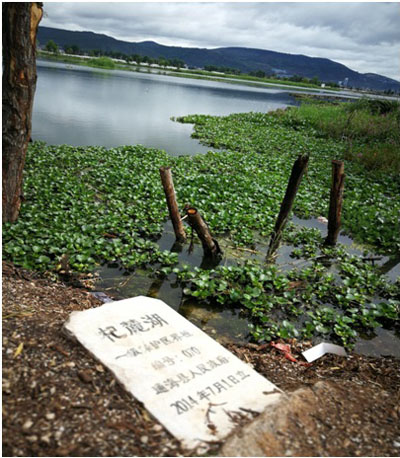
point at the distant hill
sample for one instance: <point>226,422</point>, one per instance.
<point>243,59</point>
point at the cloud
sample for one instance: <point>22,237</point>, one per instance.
<point>363,36</point>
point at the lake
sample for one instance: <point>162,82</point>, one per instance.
<point>84,106</point>
<point>80,106</point>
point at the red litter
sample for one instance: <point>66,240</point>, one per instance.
<point>286,350</point>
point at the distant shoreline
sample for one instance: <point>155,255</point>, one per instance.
<point>182,73</point>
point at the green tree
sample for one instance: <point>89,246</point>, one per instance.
<point>315,80</point>
<point>137,58</point>
<point>258,73</point>
<point>95,53</point>
<point>163,62</point>
<point>72,49</point>
<point>178,63</point>
<point>51,46</point>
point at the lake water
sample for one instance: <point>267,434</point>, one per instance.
<point>85,106</point>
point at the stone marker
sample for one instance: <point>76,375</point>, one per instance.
<point>188,381</point>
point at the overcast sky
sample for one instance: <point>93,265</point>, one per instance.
<point>363,36</point>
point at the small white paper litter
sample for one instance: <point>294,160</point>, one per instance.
<point>319,350</point>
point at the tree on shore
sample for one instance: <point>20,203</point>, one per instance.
<point>72,49</point>
<point>51,46</point>
<point>20,22</point>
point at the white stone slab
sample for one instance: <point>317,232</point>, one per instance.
<point>187,380</point>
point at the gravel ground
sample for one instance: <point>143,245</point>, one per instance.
<point>58,401</point>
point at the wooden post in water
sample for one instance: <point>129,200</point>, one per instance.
<point>299,167</point>
<point>210,245</point>
<point>168,184</point>
<point>335,203</point>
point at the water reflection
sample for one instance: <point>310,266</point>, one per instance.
<point>84,106</point>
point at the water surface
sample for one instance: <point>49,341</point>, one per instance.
<point>227,323</point>
<point>81,106</point>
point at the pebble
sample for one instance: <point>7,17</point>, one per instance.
<point>6,386</point>
<point>346,443</point>
<point>157,428</point>
<point>396,444</point>
<point>33,438</point>
<point>45,438</point>
<point>85,376</point>
<point>144,439</point>
<point>27,425</point>
<point>50,416</point>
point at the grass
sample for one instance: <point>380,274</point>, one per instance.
<point>102,62</point>
<point>370,129</point>
<point>87,205</point>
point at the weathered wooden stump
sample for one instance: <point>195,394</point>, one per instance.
<point>210,245</point>
<point>168,185</point>
<point>299,167</point>
<point>335,203</point>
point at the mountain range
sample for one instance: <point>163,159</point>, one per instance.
<point>243,59</point>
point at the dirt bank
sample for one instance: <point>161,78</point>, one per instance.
<point>57,401</point>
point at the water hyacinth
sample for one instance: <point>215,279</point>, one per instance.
<point>88,205</point>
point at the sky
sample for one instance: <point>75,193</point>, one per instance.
<point>364,36</point>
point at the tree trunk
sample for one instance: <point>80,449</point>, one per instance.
<point>20,23</point>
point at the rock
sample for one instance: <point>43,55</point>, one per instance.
<point>45,438</point>
<point>275,431</point>
<point>144,439</point>
<point>50,416</point>
<point>6,386</point>
<point>85,376</point>
<point>27,425</point>
<point>101,296</point>
<point>32,438</point>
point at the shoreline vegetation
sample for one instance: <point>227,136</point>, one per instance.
<point>112,64</point>
<point>86,206</point>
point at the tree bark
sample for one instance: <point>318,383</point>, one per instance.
<point>299,167</point>
<point>168,184</point>
<point>335,203</point>
<point>20,23</point>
